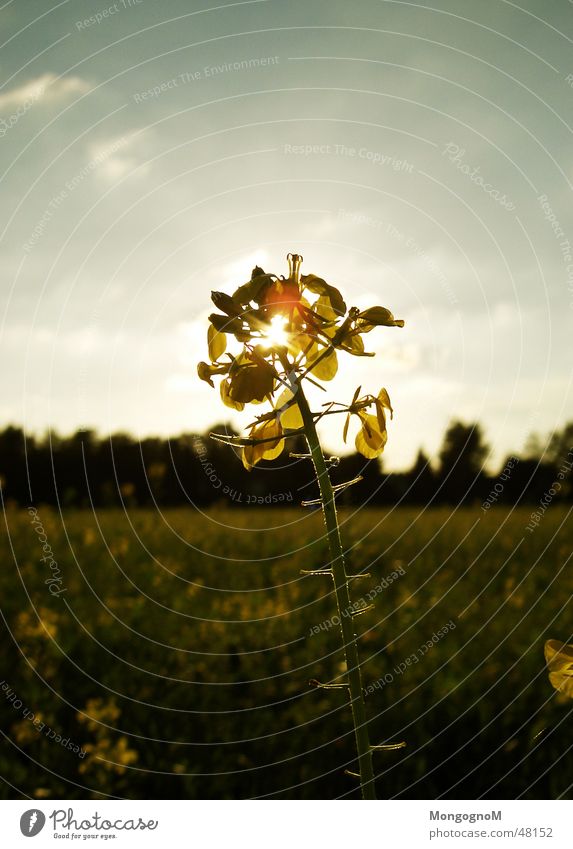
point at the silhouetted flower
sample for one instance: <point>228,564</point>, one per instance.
<point>289,329</point>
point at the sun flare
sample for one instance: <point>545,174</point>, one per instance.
<point>276,333</point>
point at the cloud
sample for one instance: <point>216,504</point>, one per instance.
<point>111,157</point>
<point>48,87</point>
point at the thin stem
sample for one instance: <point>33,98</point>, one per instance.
<point>342,599</point>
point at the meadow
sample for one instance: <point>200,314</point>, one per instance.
<point>172,652</point>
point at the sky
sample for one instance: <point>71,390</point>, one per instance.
<point>417,155</point>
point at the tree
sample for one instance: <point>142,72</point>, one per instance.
<point>462,456</point>
<point>561,445</point>
<point>421,480</point>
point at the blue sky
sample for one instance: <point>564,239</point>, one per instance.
<point>419,157</point>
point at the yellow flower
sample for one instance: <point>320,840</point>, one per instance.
<point>289,328</point>
<point>288,411</point>
<point>270,431</point>
<point>371,438</point>
<point>322,363</point>
<point>251,378</point>
<point>217,343</point>
<point>559,658</point>
<point>226,396</point>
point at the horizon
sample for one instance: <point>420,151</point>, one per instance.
<point>537,450</point>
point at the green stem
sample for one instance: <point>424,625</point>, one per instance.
<point>342,599</point>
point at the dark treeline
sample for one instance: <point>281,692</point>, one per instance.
<point>86,470</point>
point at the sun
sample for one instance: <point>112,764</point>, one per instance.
<point>275,333</point>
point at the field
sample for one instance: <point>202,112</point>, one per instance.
<point>174,656</point>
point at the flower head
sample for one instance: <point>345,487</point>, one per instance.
<point>288,329</point>
<point>559,658</point>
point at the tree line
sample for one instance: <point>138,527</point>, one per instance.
<point>86,470</point>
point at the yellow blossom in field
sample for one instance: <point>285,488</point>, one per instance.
<point>559,658</point>
<point>108,755</point>
<point>41,624</point>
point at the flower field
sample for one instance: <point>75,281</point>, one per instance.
<point>171,654</point>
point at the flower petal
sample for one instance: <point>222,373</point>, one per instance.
<point>326,366</point>
<point>253,454</point>
<point>217,343</point>
<point>288,410</point>
<point>384,399</point>
<point>318,286</point>
<point>370,439</point>
<point>206,371</point>
<point>226,398</point>
<point>380,317</point>
<point>251,383</point>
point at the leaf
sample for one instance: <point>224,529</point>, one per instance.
<point>380,317</point>
<point>318,286</point>
<point>217,343</point>
<point>288,410</point>
<point>326,366</point>
<point>226,398</point>
<point>370,439</point>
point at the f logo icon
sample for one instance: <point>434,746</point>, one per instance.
<point>32,822</point>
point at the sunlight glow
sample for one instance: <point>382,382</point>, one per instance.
<point>276,333</point>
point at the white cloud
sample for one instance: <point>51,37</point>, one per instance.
<point>113,157</point>
<point>47,87</point>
